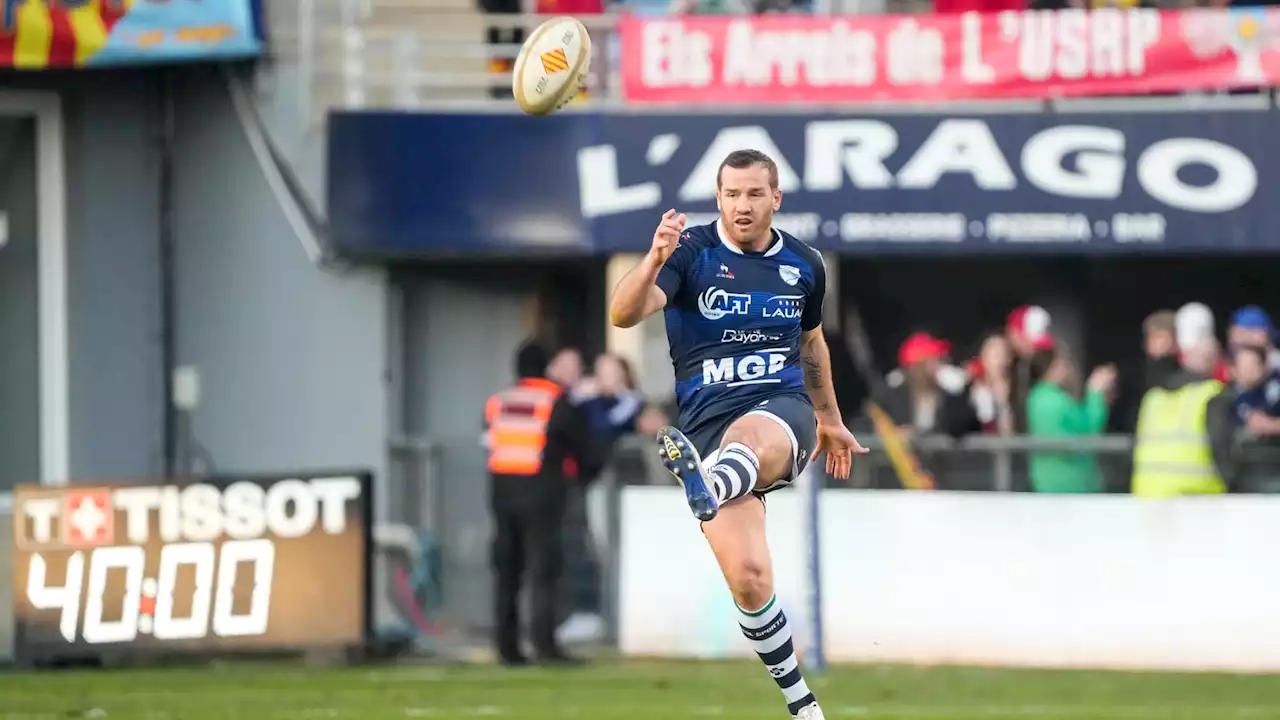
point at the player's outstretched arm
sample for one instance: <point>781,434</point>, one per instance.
<point>815,357</point>
<point>638,295</point>
<point>833,437</point>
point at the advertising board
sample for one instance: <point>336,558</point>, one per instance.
<point>215,564</point>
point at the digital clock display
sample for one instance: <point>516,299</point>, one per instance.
<point>212,564</point>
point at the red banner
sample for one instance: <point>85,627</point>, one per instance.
<point>867,58</point>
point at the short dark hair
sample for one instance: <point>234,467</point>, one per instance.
<point>531,360</point>
<point>742,159</point>
<point>1040,361</point>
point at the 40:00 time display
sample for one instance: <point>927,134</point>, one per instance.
<point>211,601</point>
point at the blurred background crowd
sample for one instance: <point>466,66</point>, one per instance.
<point>1015,380</point>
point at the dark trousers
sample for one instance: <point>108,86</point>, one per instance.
<point>528,514</point>
<point>581,584</point>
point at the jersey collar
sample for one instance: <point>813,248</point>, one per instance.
<point>774,249</point>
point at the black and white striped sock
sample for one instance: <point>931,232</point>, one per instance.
<point>770,636</point>
<point>735,472</point>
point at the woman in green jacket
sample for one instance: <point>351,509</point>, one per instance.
<point>1054,412</point>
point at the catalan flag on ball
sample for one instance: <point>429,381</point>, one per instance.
<point>38,34</point>
<point>555,61</point>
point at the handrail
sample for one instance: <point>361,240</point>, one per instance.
<point>1110,443</point>
<point>1249,451</point>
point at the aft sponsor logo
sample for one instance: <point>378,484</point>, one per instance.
<point>715,303</point>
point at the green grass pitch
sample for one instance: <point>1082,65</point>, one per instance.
<point>627,690</point>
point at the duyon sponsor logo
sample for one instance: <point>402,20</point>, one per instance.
<point>748,336</point>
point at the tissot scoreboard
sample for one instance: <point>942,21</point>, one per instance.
<point>213,564</point>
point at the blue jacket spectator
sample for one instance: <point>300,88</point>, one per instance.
<point>1257,390</point>
<point>608,399</point>
<point>1251,325</point>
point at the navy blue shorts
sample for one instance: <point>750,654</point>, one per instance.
<point>793,413</point>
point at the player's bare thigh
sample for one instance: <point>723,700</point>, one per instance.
<point>737,534</point>
<point>737,538</point>
<point>772,446</point>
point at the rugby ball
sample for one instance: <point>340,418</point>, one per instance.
<point>552,66</point>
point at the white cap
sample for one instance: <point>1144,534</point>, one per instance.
<point>1192,323</point>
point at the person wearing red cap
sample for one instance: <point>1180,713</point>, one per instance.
<point>926,393</point>
<point>1029,331</point>
<point>1028,328</point>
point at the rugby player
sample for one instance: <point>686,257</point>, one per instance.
<point>743,310</point>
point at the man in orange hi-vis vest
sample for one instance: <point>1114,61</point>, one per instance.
<point>538,443</point>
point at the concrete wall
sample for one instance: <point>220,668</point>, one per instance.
<point>114,285</point>
<point>292,359</point>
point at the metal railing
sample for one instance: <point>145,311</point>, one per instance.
<point>442,488</point>
<point>983,462</point>
<point>405,54</point>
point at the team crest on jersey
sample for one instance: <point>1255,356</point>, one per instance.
<point>790,274</point>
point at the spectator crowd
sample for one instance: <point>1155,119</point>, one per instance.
<point>1024,380</point>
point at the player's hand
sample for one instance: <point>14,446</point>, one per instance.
<point>1103,379</point>
<point>840,446</point>
<point>667,236</point>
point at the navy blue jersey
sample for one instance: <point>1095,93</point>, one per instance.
<point>1264,399</point>
<point>734,320</point>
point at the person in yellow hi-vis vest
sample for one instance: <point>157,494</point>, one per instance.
<point>1182,445</point>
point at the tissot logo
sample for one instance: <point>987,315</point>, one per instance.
<point>88,518</point>
<point>197,512</point>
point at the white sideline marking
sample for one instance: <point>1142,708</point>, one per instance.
<point>1125,712</point>
<point>938,712</point>
<point>1116,712</point>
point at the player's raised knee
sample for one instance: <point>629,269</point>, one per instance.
<point>768,442</point>
<point>751,584</point>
